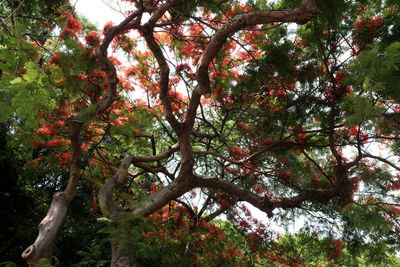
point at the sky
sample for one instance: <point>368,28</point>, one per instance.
<point>97,11</point>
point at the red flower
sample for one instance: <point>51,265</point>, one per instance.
<point>64,157</point>
<point>74,24</point>
<point>95,207</point>
<point>46,130</point>
<point>130,71</point>
<point>55,59</point>
<point>236,151</point>
<point>361,9</point>
<point>99,74</point>
<point>127,85</point>
<point>107,25</point>
<point>338,249</point>
<point>243,224</point>
<point>92,38</point>
<point>378,20</point>
<point>243,126</point>
<point>181,67</point>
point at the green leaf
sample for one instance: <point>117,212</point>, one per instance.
<point>104,220</point>
<point>16,80</point>
<point>32,72</point>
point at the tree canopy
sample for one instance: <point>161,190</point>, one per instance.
<point>156,133</point>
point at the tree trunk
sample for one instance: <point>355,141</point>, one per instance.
<point>48,229</point>
<point>119,257</point>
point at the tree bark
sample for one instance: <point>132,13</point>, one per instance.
<point>119,258</point>
<point>48,229</point>
<point>50,225</point>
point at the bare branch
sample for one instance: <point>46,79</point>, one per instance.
<point>267,204</point>
<point>158,157</point>
<point>213,182</point>
<point>368,155</point>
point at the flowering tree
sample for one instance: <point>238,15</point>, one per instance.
<point>281,106</point>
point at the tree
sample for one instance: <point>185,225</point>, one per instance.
<point>27,188</point>
<point>236,107</point>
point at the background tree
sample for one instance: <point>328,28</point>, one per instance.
<point>231,105</point>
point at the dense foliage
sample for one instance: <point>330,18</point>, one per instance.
<point>156,130</point>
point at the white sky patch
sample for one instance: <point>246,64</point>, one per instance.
<point>99,12</point>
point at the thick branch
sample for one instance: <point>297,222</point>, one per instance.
<point>76,154</point>
<point>164,79</point>
<point>161,198</point>
<point>162,63</point>
<point>299,15</point>
<point>267,204</point>
<point>157,157</point>
<point>108,67</point>
<point>161,11</point>
<point>240,192</point>
<point>306,10</point>
<point>107,205</point>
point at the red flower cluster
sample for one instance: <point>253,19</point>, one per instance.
<point>72,27</point>
<point>225,200</point>
<point>353,131</point>
<point>92,38</point>
<point>335,89</point>
<point>243,126</point>
<point>57,142</point>
<point>155,188</point>
<point>177,100</point>
<point>361,9</point>
<point>64,157</point>
<point>74,24</point>
<point>55,59</point>
<point>236,151</point>
<point>337,250</point>
<point>365,30</point>
<point>107,25</point>
<point>182,67</point>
